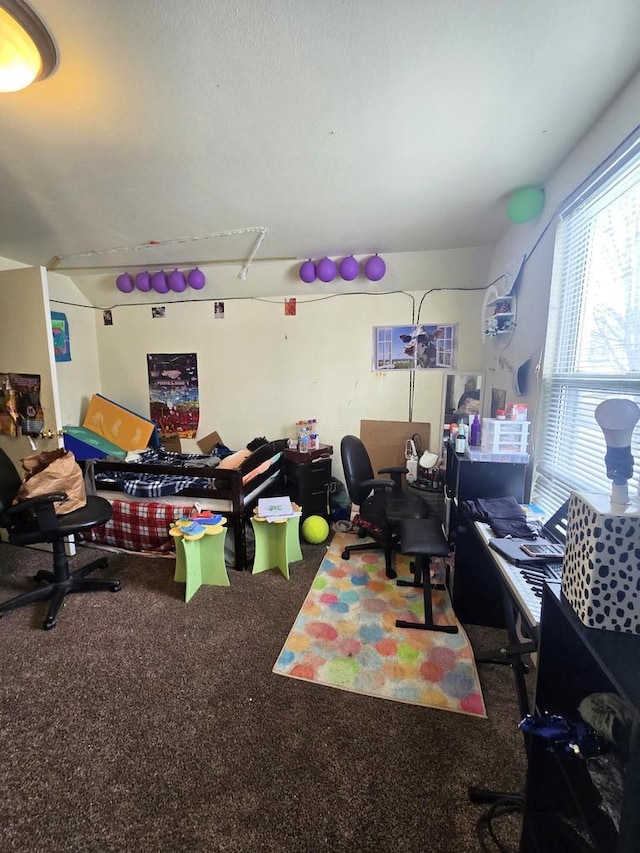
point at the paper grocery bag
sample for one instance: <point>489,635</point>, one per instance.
<point>52,471</point>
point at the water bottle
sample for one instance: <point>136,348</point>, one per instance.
<point>303,442</point>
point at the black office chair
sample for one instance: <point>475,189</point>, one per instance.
<point>383,503</point>
<point>33,521</point>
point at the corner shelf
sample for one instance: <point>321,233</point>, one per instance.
<point>498,316</point>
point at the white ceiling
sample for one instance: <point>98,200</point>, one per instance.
<point>340,125</point>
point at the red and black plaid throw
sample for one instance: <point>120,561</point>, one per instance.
<point>358,521</point>
<point>137,526</point>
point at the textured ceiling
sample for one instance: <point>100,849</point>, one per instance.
<point>340,126</point>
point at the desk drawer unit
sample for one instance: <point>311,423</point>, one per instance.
<point>308,485</point>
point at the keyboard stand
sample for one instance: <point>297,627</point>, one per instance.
<point>512,655</point>
<point>516,646</point>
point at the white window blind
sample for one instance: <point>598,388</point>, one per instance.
<point>592,351</point>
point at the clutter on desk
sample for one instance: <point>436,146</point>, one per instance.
<point>306,436</point>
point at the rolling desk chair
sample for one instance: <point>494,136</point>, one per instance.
<point>34,521</point>
<point>383,503</point>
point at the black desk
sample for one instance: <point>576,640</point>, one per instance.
<point>575,661</point>
<point>476,590</point>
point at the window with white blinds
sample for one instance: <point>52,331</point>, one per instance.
<point>592,352</point>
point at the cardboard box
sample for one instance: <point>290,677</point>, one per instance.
<point>207,443</point>
<point>517,412</point>
<point>386,441</point>
<point>172,444</point>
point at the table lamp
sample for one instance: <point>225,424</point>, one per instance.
<point>617,419</point>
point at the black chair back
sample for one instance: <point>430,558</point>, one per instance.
<point>10,482</point>
<point>357,468</point>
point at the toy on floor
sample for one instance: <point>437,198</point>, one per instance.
<point>196,526</point>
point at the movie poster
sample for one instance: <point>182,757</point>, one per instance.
<point>173,394</point>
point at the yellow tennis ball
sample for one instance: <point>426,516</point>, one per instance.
<point>315,529</point>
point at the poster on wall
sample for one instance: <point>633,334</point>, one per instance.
<point>423,347</point>
<point>60,330</point>
<point>173,393</point>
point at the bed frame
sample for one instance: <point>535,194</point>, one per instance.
<point>233,492</point>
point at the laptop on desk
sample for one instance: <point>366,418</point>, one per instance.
<point>553,533</point>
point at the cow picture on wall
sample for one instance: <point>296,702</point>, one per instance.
<point>421,347</point>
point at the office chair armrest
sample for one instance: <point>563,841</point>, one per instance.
<point>381,489</point>
<point>396,476</point>
<point>42,506</point>
<point>36,502</point>
<point>378,484</point>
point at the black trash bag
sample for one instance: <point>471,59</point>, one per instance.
<point>339,501</point>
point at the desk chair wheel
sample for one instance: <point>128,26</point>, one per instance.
<point>345,555</point>
<point>44,576</point>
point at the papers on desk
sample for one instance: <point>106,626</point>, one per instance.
<point>275,509</point>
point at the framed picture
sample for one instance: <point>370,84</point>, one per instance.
<point>60,330</point>
<point>423,347</point>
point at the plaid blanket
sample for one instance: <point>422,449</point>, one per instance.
<point>137,526</point>
<point>157,485</point>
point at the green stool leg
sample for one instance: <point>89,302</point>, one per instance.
<point>271,547</point>
<point>180,574</point>
<point>214,569</point>
<point>201,561</point>
<point>294,551</point>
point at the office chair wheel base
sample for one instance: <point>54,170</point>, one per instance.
<point>117,586</point>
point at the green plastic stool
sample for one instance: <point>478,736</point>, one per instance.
<point>201,561</point>
<point>277,544</point>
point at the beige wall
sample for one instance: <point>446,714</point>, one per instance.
<point>260,371</point>
<point>79,378</point>
<point>519,240</point>
<point>26,346</point>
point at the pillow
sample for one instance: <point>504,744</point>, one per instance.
<point>235,460</point>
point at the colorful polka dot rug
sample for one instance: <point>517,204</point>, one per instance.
<point>345,636</point>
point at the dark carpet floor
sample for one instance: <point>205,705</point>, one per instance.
<point>141,723</point>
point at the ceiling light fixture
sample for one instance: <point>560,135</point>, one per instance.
<point>27,50</point>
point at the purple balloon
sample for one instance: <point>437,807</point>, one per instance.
<point>375,268</point>
<point>348,268</point>
<point>196,279</point>
<point>143,282</point>
<point>177,281</point>
<point>159,282</point>
<point>124,283</point>
<point>308,272</point>
<point>326,270</point>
